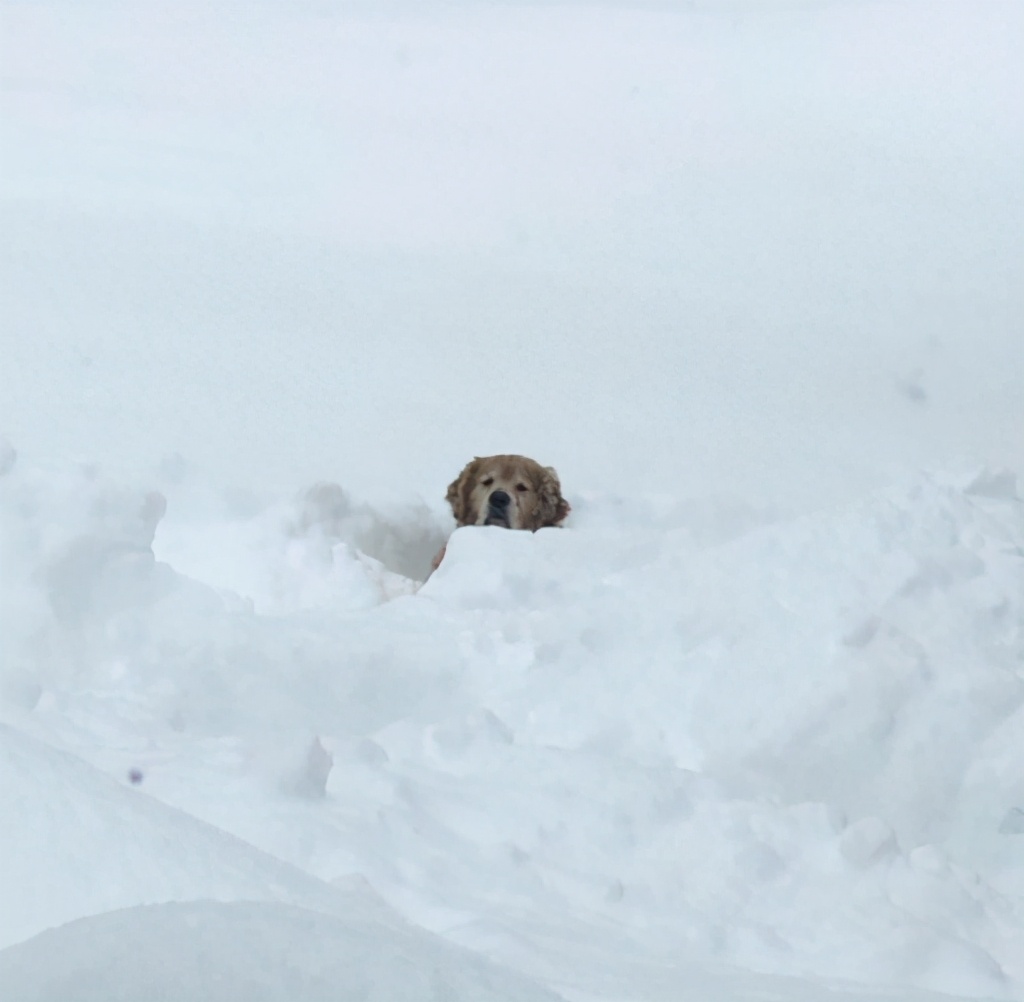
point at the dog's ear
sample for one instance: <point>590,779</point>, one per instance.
<point>552,508</point>
<point>459,493</point>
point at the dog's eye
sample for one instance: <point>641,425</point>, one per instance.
<point>522,487</point>
<point>487,482</point>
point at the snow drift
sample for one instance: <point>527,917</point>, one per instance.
<point>787,744</point>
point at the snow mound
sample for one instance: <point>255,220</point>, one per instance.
<point>206,951</point>
<point>84,843</point>
<point>120,847</point>
<point>321,549</point>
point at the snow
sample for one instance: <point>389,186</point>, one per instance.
<point>788,746</point>
<point>249,951</point>
<point>749,727</point>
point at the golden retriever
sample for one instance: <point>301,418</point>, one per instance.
<point>513,492</point>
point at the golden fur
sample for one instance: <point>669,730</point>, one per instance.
<point>514,492</point>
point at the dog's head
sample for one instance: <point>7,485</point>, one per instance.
<point>510,491</point>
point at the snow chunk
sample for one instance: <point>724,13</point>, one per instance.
<point>309,779</point>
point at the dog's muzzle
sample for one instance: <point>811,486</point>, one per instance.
<point>497,510</point>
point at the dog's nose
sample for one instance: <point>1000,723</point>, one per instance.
<point>499,500</point>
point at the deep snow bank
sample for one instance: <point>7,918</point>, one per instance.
<point>251,952</point>
<point>75,842</point>
<point>670,730</point>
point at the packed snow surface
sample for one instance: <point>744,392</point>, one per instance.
<point>749,728</point>
<point>666,735</point>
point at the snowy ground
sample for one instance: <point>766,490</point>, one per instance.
<point>749,728</point>
<point>605,756</point>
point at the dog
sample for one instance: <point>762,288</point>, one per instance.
<point>513,492</point>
